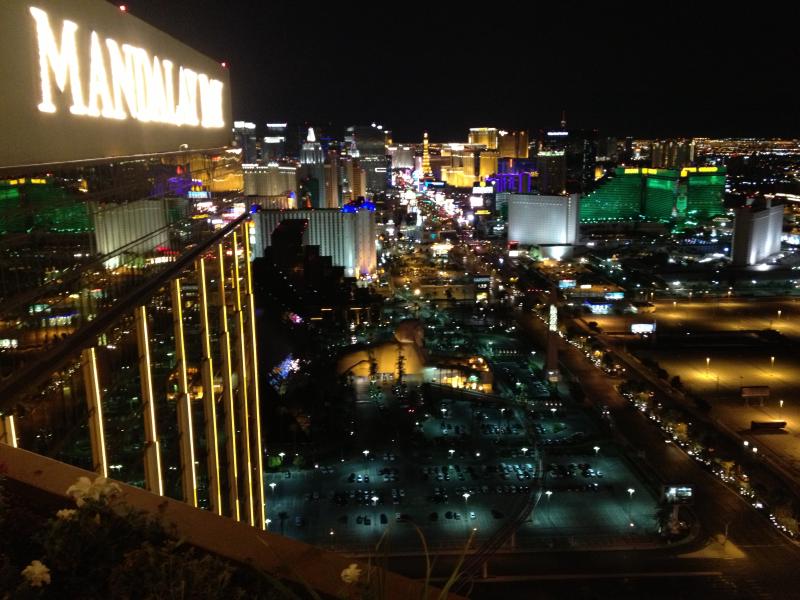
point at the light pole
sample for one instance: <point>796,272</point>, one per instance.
<point>374,500</point>
<point>281,454</point>
<point>366,460</point>
<point>631,491</point>
<point>451,452</point>
<point>708,362</point>
<point>268,521</point>
<point>272,486</point>
<point>772,364</point>
<point>524,451</point>
<point>549,493</point>
<point>596,450</point>
<point>780,405</point>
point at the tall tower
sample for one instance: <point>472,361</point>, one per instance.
<point>426,157</point>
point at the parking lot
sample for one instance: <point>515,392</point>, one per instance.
<point>470,468</point>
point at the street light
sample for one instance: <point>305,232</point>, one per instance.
<point>524,451</point>
<point>366,454</point>
<point>631,491</point>
<point>708,362</point>
<point>272,486</point>
<point>465,495</point>
<point>451,451</point>
<point>374,500</point>
<point>548,493</point>
<point>596,450</point>
<point>281,454</point>
<point>772,363</point>
<point>268,521</point>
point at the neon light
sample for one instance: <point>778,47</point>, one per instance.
<point>139,87</point>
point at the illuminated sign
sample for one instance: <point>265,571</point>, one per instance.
<point>138,86</point>
<point>565,284</point>
<point>476,201</point>
<point>483,189</point>
<point>93,82</point>
<point>558,133</point>
<point>483,212</point>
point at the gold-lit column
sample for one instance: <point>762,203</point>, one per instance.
<point>185,431</point>
<point>94,400</point>
<point>209,400</point>
<point>227,382</point>
<point>8,431</point>
<point>152,449</point>
<point>241,370</point>
<point>253,394</point>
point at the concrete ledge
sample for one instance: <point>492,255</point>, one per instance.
<point>277,555</point>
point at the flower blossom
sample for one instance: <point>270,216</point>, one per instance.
<point>351,574</point>
<point>67,514</point>
<point>36,573</point>
<point>85,489</point>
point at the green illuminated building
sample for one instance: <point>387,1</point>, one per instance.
<point>618,199</point>
<point>34,204</point>
<point>656,195</point>
<point>705,191</point>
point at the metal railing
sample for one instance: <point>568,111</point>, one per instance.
<point>155,383</point>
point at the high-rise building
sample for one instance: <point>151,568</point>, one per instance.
<point>487,161</point>
<point>369,143</point>
<point>660,193</point>
<point>656,195</point>
<point>513,144</point>
<point>401,156</point>
<point>618,198</point>
<point>672,154</point>
<point>346,235</point>
<point>552,168</point>
<point>332,178</point>
<point>244,136</point>
<point>756,233</point>
<point>312,167</point>
<point>138,226</point>
<point>705,191</point>
<point>274,144</point>
<point>580,155</point>
<point>354,179</point>
<point>272,179</point>
<point>543,220</point>
<point>484,136</point>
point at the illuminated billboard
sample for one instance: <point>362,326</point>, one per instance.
<point>643,328</point>
<point>91,82</point>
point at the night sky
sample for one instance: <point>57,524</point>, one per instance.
<point>623,70</point>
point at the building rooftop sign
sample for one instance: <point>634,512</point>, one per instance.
<point>92,82</point>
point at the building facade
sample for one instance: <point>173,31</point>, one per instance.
<point>346,235</point>
<point>756,234</point>
<point>543,220</point>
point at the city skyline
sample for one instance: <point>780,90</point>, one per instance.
<point>675,73</point>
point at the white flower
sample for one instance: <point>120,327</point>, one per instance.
<point>84,489</point>
<point>67,514</point>
<point>36,574</point>
<point>351,574</point>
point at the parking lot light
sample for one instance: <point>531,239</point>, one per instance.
<point>272,486</point>
<point>366,454</point>
<point>631,491</point>
<point>268,521</point>
<point>466,496</point>
<point>477,455</point>
<point>596,450</point>
<point>524,451</point>
<point>281,454</point>
<point>374,500</point>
